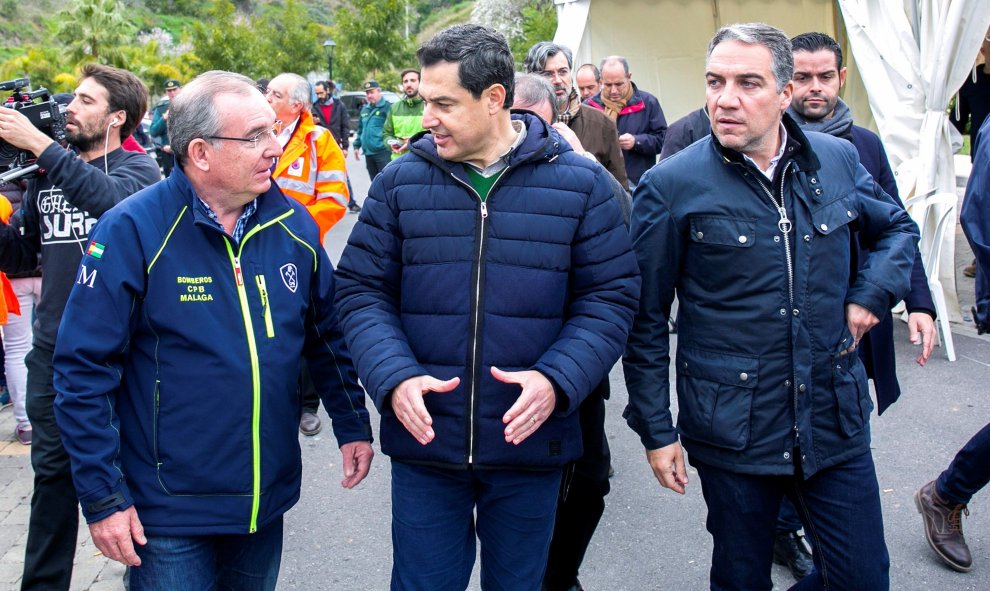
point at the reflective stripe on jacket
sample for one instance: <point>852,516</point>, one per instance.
<point>321,188</point>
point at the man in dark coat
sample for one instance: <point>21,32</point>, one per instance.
<point>753,228</point>
<point>597,132</point>
<point>486,289</point>
<point>636,113</point>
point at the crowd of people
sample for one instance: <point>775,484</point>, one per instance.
<point>201,307</point>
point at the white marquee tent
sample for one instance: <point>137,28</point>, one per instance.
<point>907,59</point>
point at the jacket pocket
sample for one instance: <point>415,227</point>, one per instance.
<point>835,215</point>
<point>852,398</point>
<point>723,230</point>
<point>715,396</point>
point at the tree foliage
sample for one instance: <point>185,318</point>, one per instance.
<point>371,43</point>
<point>163,39</point>
<point>95,30</point>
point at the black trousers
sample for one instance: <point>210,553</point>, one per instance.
<point>581,501</point>
<point>51,541</point>
<point>310,398</point>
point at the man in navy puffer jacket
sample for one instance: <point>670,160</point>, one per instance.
<point>488,286</point>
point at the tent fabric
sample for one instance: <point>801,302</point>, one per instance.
<point>914,55</point>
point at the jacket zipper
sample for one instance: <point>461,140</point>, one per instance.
<point>476,321</point>
<point>235,263</point>
<point>785,225</point>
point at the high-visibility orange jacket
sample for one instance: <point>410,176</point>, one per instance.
<point>312,171</point>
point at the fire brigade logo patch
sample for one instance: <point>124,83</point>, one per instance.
<point>289,276</point>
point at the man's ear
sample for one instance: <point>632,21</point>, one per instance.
<point>197,154</point>
<point>496,98</point>
<point>842,77</point>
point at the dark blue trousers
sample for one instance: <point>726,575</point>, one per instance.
<point>969,470</point>
<point>220,562</point>
<point>839,506</point>
<point>434,527</point>
<point>982,298</point>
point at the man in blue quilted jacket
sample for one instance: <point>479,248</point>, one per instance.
<point>487,288</point>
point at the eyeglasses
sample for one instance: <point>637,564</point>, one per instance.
<point>273,132</point>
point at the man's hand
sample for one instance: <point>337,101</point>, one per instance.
<point>357,153</point>
<point>167,149</point>
<point>668,466</point>
<point>357,456</point>
<point>921,331</point>
<point>627,141</point>
<point>113,535</point>
<point>569,136</point>
<point>407,403</point>
<point>860,321</point>
<point>18,131</point>
<point>533,406</point>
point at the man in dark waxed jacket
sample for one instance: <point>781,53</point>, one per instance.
<point>757,220</point>
<point>487,288</point>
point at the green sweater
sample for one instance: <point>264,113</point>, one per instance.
<point>405,119</point>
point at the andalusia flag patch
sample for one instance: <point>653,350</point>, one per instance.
<point>95,250</point>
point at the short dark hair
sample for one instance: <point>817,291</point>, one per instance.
<point>482,56</point>
<point>781,52</point>
<point>409,71</point>
<point>538,55</point>
<point>812,42</point>
<point>125,92</point>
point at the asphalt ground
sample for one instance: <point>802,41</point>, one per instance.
<point>649,538</point>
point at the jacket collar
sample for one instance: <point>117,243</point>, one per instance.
<point>541,143</point>
<point>798,148</point>
<point>271,204</point>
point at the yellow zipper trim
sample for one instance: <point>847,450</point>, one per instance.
<point>269,326</point>
<point>235,262</point>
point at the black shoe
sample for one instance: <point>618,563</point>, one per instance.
<point>792,550</point>
<point>981,328</point>
<point>310,424</point>
<point>353,207</point>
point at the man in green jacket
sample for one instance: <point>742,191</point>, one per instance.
<point>369,137</point>
<point>405,119</point>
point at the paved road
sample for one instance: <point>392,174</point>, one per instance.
<point>649,539</point>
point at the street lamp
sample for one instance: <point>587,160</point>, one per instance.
<point>328,47</point>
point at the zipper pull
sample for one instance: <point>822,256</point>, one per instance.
<point>784,225</point>
<point>238,276</point>
<point>484,210</point>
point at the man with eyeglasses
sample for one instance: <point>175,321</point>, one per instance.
<point>312,171</point>
<point>593,128</point>
<point>311,168</point>
<point>636,113</point>
<point>177,362</point>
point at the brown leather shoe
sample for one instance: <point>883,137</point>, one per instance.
<point>970,270</point>
<point>310,424</point>
<point>943,527</point>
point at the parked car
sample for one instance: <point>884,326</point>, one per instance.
<point>355,99</point>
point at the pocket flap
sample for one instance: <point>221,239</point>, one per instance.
<point>723,230</point>
<point>724,368</point>
<point>831,217</point>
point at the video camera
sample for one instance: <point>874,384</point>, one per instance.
<point>42,111</point>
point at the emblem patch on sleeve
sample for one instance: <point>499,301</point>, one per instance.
<point>290,276</point>
<point>96,250</point>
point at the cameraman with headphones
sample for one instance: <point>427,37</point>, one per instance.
<point>76,186</point>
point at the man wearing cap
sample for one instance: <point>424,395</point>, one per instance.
<point>159,127</point>
<point>370,132</point>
